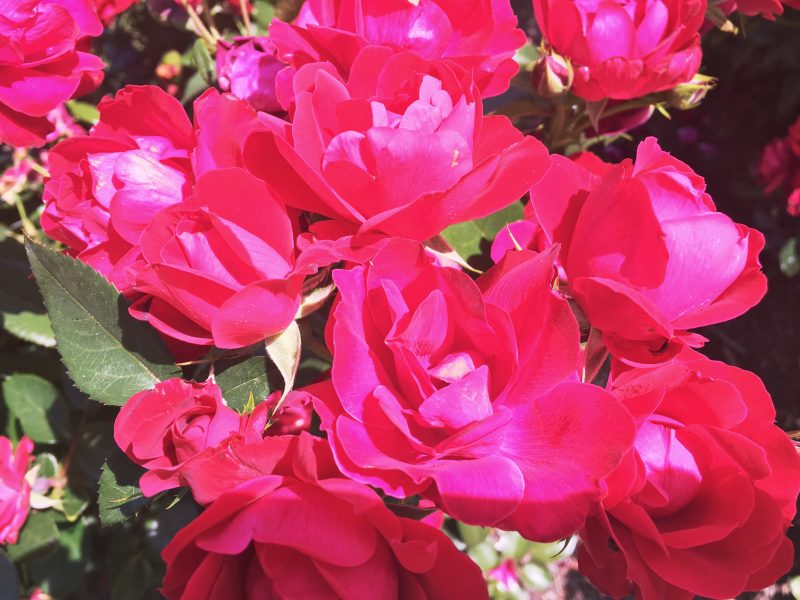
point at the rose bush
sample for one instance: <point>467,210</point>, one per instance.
<point>701,504</point>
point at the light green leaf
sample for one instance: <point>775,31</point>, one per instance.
<point>474,238</point>
<point>83,111</point>
<point>109,354</point>
<point>238,379</point>
<point>202,61</point>
<point>38,537</point>
<point>120,497</point>
<point>36,403</point>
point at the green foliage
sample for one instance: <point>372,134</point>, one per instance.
<point>472,240</point>
<point>238,378</point>
<point>38,537</point>
<point>109,354</point>
<point>120,497</point>
<point>37,405</point>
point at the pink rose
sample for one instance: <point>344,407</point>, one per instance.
<point>164,428</point>
<point>15,491</point>
<point>109,9</point>
<point>44,63</point>
<point>298,529</point>
<point>624,50</point>
<point>247,67</point>
<point>478,35</point>
<point>354,148</point>
<point>686,266</point>
<point>142,156</point>
<point>217,272</point>
<point>467,393</point>
<point>701,504</point>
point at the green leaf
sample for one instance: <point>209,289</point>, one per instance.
<point>9,585</point>
<point>789,259</point>
<point>36,403</point>
<point>473,238</point>
<point>263,12</point>
<point>83,111</point>
<point>109,354</point>
<point>202,61</point>
<point>119,497</point>
<point>73,504</point>
<point>38,537</point>
<point>21,310</point>
<point>238,379</point>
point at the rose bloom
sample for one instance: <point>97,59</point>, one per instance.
<point>467,393</point>
<point>45,61</point>
<point>163,428</point>
<point>624,50</point>
<point>686,266</point>
<point>701,504</point>
<point>478,35</point>
<point>219,272</point>
<point>141,156</point>
<point>15,491</point>
<point>354,148</point>
<point>247,67</point>
<point>298,529</point>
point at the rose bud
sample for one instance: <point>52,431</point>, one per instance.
<point>552,74</point>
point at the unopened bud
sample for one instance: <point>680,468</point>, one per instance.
<point>690,94</point>
<point>552,74</point>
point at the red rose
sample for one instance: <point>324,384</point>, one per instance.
<point>467,393</point>
<point>478,35</point>
<point>701,504</point>
<point>686,266</point>
<point>213,271</point>
<point>44,63</point>
<point>625,50</point>
<point>300,530</point>
<point>164,428</point>
<point>142,156</point>
<point>15,491</point>
<point>354,148</point>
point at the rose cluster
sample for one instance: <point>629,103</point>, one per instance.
<point>340,149</point>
